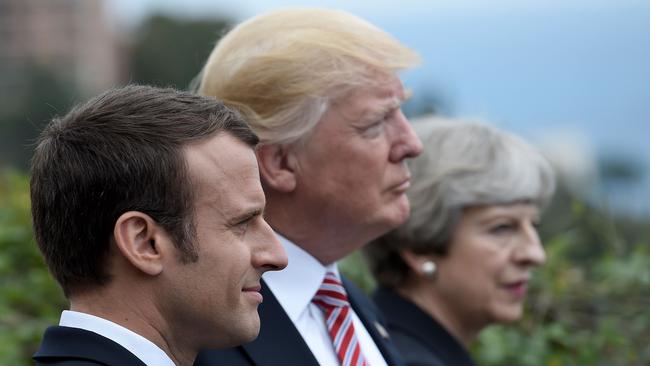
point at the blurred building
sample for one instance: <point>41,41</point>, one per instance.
<point>70,38</point>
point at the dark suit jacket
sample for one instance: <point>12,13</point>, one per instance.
<point>280,343</point>
<point>65,346</point>
<point>420,339</point>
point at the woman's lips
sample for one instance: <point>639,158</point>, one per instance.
<point>517,289</point>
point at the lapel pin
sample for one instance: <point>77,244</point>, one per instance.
<point>382,331</point>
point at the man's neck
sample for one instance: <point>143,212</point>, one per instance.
<point>127,313</point>
<point>327,240</point>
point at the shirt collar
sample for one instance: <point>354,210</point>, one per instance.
<point>141,347</point>
<point>295,286</point>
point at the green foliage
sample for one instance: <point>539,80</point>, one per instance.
<point>354,268</point>
<point>30,300</point>
<point>589,313</point>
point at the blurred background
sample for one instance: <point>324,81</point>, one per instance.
<point>572,76</point>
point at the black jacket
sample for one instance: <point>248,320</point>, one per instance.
<point>420,339</point>
<point>65,346</point>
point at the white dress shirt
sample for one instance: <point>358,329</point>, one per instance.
<point>294,287</point>
<point>141,347</point>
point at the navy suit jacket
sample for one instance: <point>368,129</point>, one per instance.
<point>419,337</point>
<point>65,346</point>
<point>279,342</point>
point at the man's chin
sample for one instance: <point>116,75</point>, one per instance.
<point>392,218</point>
<point>400,212</point>
<point>241,333</point>
<point>250,337</point>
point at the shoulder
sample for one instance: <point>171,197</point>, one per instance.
<point>73,346</point>
<point>67,362</point>
<point>413,350</point>
<point>418,336</point>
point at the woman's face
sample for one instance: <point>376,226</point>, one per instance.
<point>484,276</point>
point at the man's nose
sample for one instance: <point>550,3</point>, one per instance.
<point>407,144</point>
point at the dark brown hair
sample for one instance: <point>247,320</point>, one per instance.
<point>121,151</point>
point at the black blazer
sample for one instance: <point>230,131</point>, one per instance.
<point>280,344</point>
<point>420,339</point>
<point>65,346</point>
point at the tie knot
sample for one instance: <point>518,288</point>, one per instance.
<point>331,293</point>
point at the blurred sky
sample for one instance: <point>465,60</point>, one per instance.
<point>572,74</point>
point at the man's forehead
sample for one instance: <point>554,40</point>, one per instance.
<point>221,150</point>
<point>233,193</point>
<point>230,177</point>
<point>378,97</point>
<point>391,89</point>
<point>383,86</point>
<point>221,162</point>
<point>382,101</point>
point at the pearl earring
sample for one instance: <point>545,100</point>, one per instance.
<point>429,268</point>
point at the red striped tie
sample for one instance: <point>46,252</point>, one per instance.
<point>333,300</point>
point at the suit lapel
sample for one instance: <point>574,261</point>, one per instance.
<point>371,319</point>
<point>279,342</point>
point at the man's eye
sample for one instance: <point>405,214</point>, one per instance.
<point>247,221</point>
<point>375,127</point>
<point>242,226</point>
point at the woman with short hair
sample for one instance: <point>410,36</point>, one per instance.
<point>464,258</point>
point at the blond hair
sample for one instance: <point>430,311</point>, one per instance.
<point>283,69</point>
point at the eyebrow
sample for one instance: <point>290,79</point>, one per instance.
<point>244,216</point>
<point>505,216</point>
<point>384,109</point>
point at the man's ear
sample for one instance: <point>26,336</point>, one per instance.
<point>277,167</point>
<point>138,238</point>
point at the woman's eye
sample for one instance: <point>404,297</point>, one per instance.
<point>502,228</point>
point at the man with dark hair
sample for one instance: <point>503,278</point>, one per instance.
<point>147,207</point>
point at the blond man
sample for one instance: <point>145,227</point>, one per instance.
<point>320,88</point>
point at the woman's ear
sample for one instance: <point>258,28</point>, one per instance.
<point>138,239</point>
<point>277,167</point>
<point>422,265</point>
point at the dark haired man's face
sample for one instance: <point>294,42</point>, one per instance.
<point>214,300</point>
